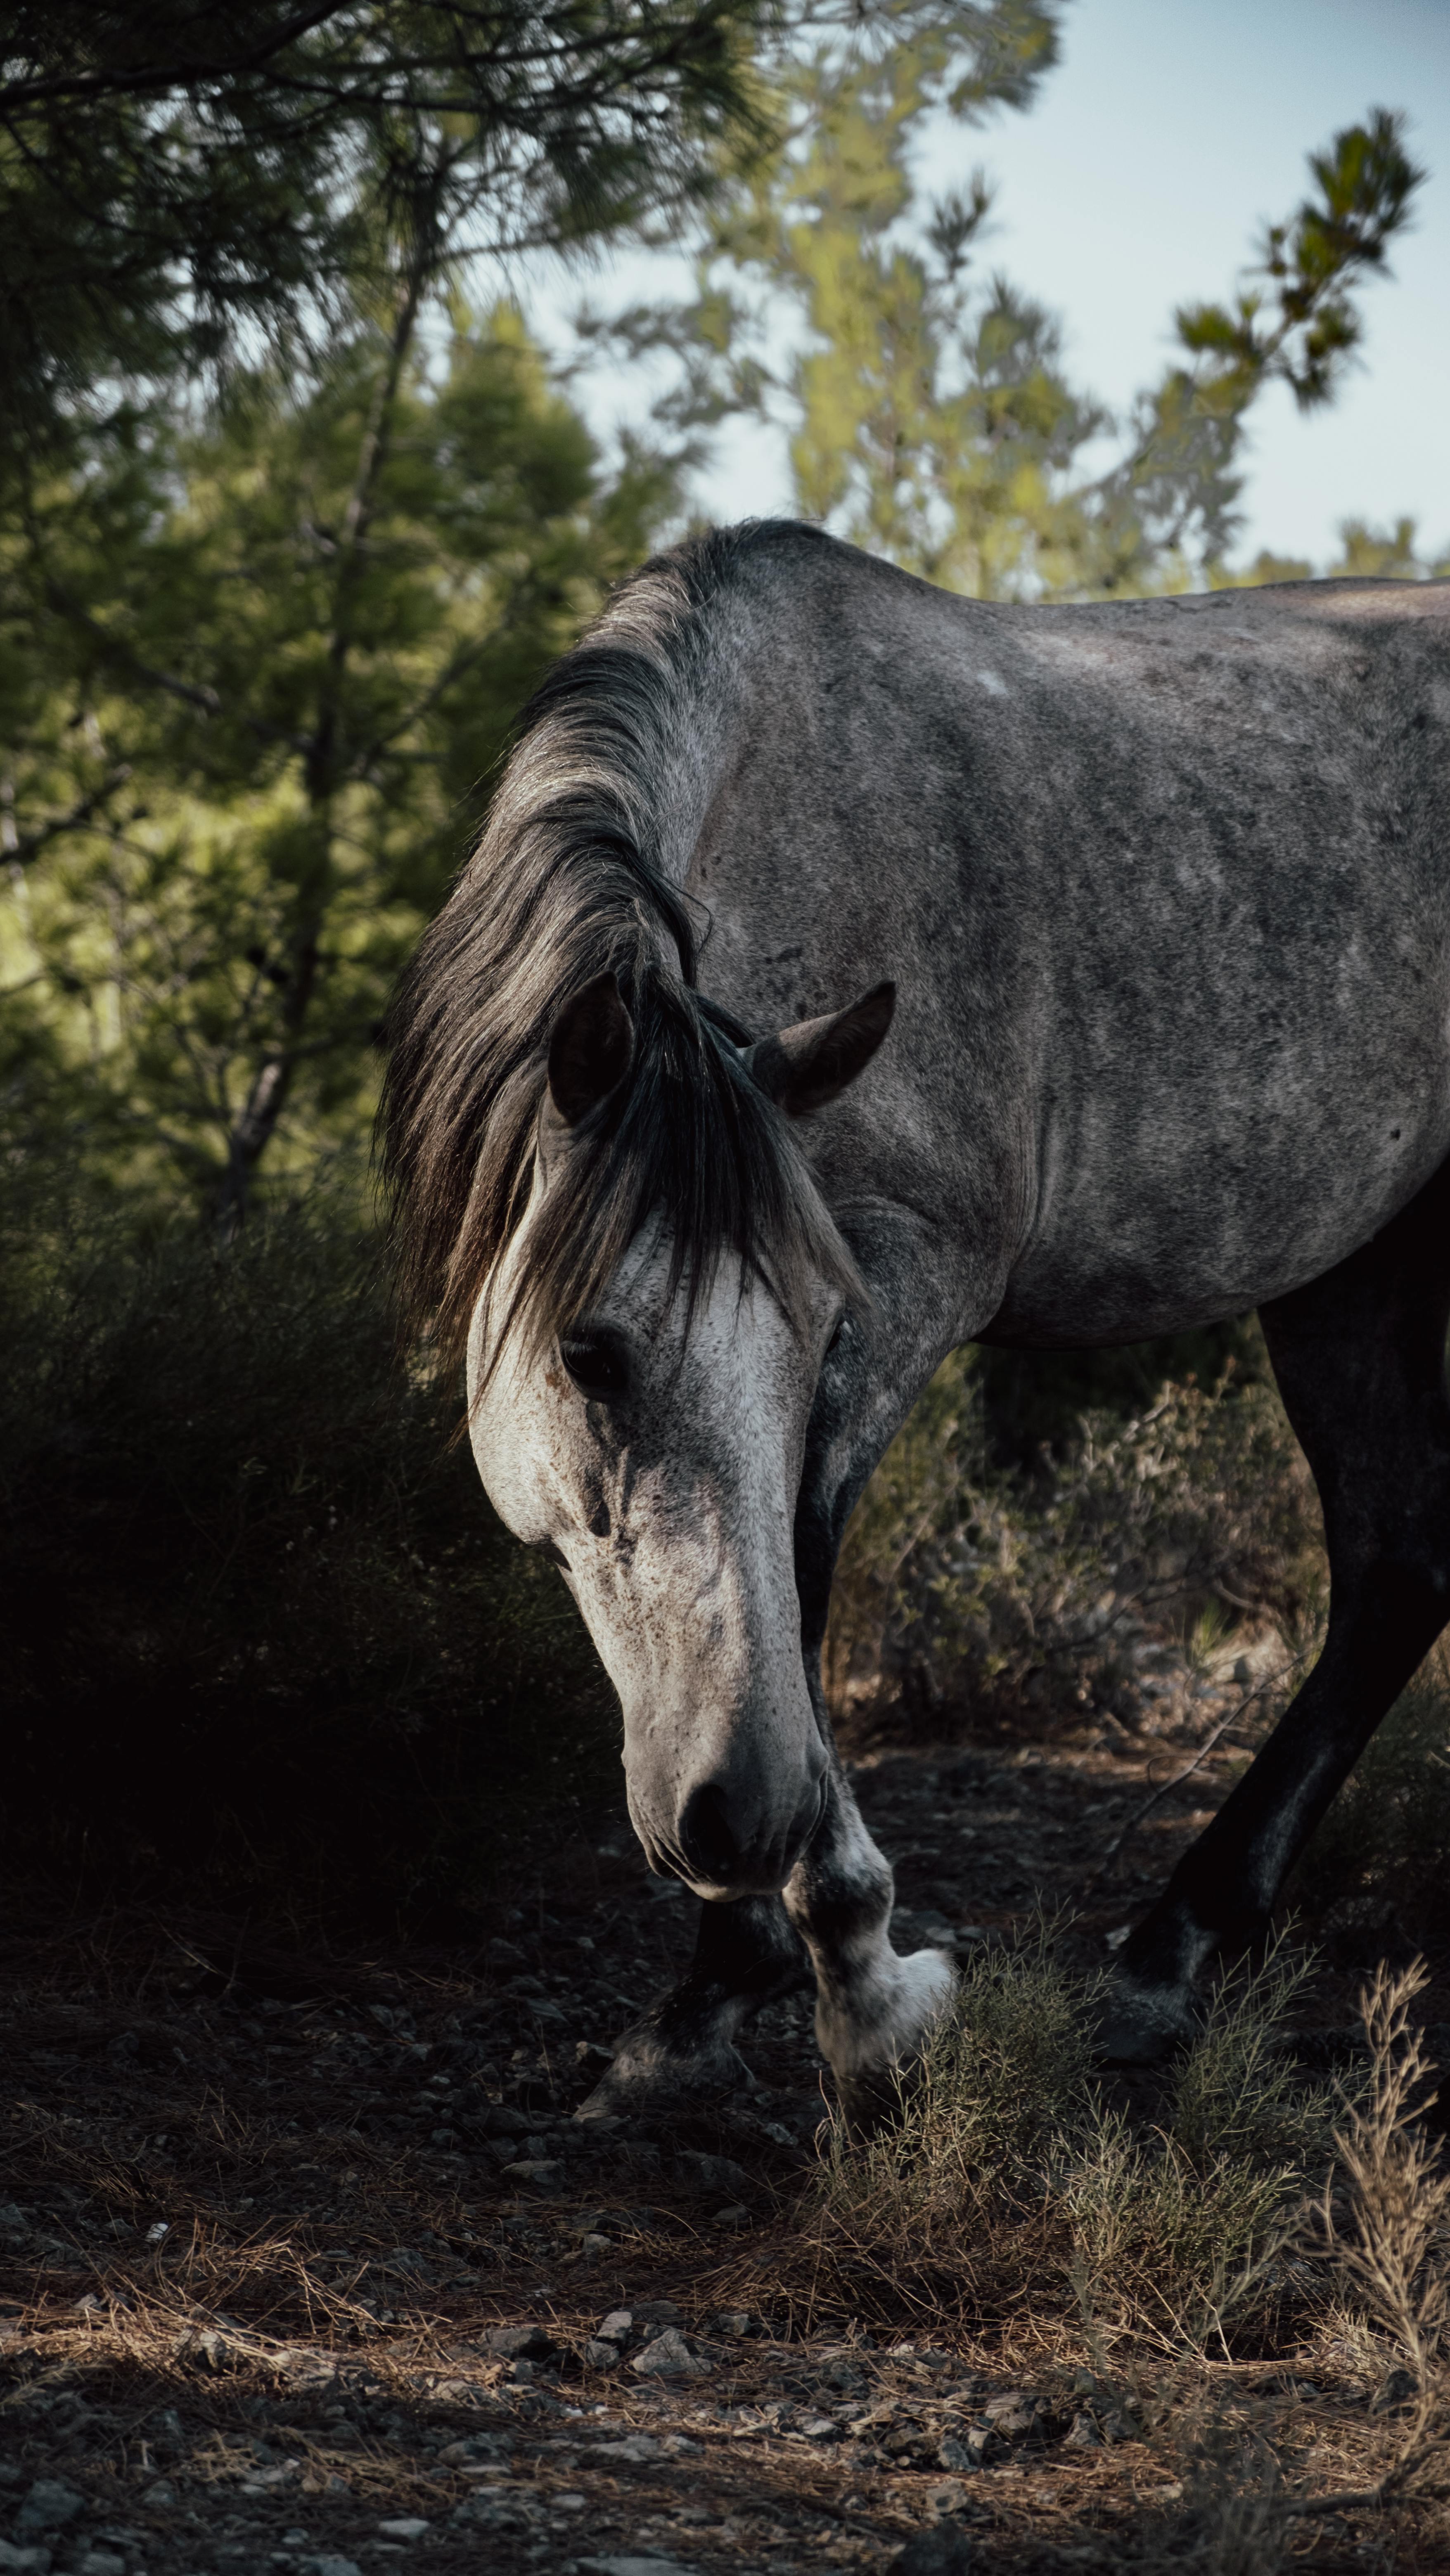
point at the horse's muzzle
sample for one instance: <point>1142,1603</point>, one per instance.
<point>719,1844</point>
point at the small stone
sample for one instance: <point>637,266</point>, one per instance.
<point>670,2357</point>
<point>35,2561</point>
<point>617,2326</point>
<point>471,2448</point>
<point>519,2343</point>
<point>1399,2388</point>
<point>601,2355</point>
<point>712,2173</point>
<point>735,2216</point>
<point>635,2567</point>
<point>1082,2434</point>
<point>100,2562</point>
<point>48,2507</point>
<point>501,2120</point>
<point>541,2173</point>
<point>943,2551</point>
<point>332,2566</point>
<point>820,2428</point>
<point>954,2455</point>
<point>404,2526</point>
<point>593,2244</point>
<point>1014,2414</point>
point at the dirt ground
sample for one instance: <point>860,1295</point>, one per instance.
<point>306,2265</point>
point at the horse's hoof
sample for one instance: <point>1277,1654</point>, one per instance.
<point>906,2011</point>
<point>645,2082</point>
<point>1143,2025</point>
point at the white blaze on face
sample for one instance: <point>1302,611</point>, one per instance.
<point>671,1497</point>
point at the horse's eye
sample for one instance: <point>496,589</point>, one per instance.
<point>596,1362</point>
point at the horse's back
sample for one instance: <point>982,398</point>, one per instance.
<point>1164,885</point>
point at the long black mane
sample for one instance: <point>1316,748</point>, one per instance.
<point>572,877</point>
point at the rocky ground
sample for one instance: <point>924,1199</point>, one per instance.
<point>306,2265</point>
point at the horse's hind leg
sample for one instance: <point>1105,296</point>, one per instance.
<point>1360,1360</point>
<point>683,2048</point>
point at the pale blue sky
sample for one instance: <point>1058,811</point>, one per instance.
<point>1170,129</point>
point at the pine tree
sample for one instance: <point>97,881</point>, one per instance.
<point>281,654</point>
<point>929,413</point>
<point>175,180</point>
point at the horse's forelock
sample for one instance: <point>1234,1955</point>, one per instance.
<point>567,882</point>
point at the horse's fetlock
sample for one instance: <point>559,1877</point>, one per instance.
<point>871,2027</point>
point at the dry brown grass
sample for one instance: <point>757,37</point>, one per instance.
<point>1251,2418</point>
<point>1273,2354</point>
<point>1006,2161</point>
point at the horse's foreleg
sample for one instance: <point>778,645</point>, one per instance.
<point>1360,1360</point>
<point>683,2048</point>
<point>873,2007</point>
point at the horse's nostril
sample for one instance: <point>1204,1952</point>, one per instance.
<point>707,1843</point>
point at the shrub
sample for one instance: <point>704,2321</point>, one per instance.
<point>1003,2077</point>
<point>263,1632</point>
<point>962,1580</point>
<point>1000,2125</point>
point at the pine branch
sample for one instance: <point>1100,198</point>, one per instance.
<point>21,848</point>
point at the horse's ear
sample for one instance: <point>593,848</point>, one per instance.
<point>591,1050</point>
<point>808,1065</point>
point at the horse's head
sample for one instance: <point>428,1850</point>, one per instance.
<point>653,1446</point>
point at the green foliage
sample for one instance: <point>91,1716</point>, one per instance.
<point>265,1640</point>
<point>1386,554</point>
<point>175,180</point>
<point>1181,2230</point>
<point>1232,2095</point>
<point>250,679</point>
<point>931,417</point>
<point>1305,328</point>
<point>1160,2242</point>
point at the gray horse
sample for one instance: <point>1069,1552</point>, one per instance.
<point>1154,903</point>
